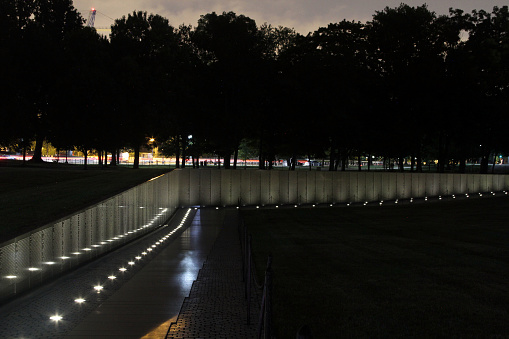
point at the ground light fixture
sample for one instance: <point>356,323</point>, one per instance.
<point>56,318</point>
<point>79,300</point>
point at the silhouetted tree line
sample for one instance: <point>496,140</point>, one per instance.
<point>407,84</point>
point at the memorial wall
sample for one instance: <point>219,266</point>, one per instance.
<point>30,259</point>
<point>212,187</point>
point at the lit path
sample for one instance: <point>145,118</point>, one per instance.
<point>216,306</point>
<point>139,303</point>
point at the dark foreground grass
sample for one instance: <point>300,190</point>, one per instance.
<point>34,195</point>
<point>427,270</point>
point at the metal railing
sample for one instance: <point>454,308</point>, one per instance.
<point>264,326</point>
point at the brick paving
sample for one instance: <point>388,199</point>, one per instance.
<point>216,306</point>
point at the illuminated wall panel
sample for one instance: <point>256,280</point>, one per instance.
<point>226,188</point>
<point>389,186</point>
<point>22,263</point>
<point>235,187</point>
<point>265,187</point>
<point>8,268</point>
<point>400,185</point>
<point>255,196</point>
<point>476,183</point>
<point>245,188</point>
<point>361,187</point>
<point>292,187</point>
<point>344,187</point>
<point>310,187</point>
<point>284,187</point>
<point>205,189</point>
<point>449,190</point>
<point>321,194</point>
<point>274,187</point>
<point>377,187</point>
<point>215,192</point>
<point>301,187</point>
<point>194,189</point>
<point>184,187</point>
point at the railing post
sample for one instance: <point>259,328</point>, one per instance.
<point>268,300</point>
<point>248,282</point>
<point>243,249</point>
<point>245,259</point>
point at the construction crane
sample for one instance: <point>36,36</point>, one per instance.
<point>91,18</point>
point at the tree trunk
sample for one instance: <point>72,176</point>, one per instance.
<point>184,148</point>
<point>332,159</point>
<point>177,152</point>
<point>294,162</point>
<point>113,158</point>
<point>419,160</point>
<point>100,158</point>
<point>85,152</point>
<point>401,164</point>
<point>493,167</point>
<point>359,162</point>
<point>344,159</point>
<point>38,150</point>
<point>235,157</point>
<point>463,165</point>
<point>484,164</point>
<point>227,157</point>
<point>136,163</point>
<point>369,162</point>
<point>24,153</point>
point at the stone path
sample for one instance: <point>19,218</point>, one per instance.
<point>216,306</point>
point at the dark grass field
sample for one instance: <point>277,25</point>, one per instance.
<point>34,195</point>
<point>426,270</point>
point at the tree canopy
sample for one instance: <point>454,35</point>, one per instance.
<point>408,84</point>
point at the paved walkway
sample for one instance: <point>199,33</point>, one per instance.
<point>144,300</point>
<point>216,306</point>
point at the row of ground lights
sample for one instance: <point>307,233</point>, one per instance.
<point>381,202</point>
<point>99,287</point>
<point>87,249</point>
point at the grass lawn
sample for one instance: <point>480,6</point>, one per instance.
<point>425,270</point>
<point>35,195</point>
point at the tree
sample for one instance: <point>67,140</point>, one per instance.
<point>411,44</point>
<point>481,71</point>
<point>229,44</point>
<point>40,50</point>
<point>142,45</point>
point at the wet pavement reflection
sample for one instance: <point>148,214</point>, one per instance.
<point>139,302</point>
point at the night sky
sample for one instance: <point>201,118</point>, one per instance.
<point>303,15</point>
